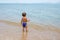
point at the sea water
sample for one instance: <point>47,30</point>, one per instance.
<point>38,13</point>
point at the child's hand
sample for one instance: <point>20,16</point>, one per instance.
<point>28,20</point>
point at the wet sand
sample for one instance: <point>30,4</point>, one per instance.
<point>13,31</point>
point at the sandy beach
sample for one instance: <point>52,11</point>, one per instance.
<point>13,31</point>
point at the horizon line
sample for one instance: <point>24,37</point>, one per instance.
<point>37,3</point>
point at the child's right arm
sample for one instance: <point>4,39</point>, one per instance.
<point>28,20</point>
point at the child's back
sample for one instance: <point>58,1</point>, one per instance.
<point>24,19</point>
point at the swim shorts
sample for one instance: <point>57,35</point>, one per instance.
<point>24,24</point>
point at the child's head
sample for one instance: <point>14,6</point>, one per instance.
<point>24,14</point>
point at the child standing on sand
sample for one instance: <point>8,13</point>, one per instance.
<point>24,21</point>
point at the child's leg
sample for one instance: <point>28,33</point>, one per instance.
<point>23,29</point>
<point>26,29</point>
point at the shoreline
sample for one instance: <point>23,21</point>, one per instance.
<point>39,27</point>
<point>13,31</point>
<point>44,27</point>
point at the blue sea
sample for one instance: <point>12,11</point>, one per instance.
<point>47,14</point>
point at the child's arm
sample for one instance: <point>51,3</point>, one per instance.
<point>28,20</point>
<point>21,21</point>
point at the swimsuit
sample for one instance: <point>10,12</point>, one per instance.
<point>24,24</point>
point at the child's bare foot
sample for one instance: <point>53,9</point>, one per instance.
<point>26,30</point>
<point>23,30</point>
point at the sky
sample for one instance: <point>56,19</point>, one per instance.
<point>29,1</point>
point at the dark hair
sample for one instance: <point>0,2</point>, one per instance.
<point>24,14</point>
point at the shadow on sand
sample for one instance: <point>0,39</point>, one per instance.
<point>24,35</point>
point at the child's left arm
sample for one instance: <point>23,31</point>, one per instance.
<point>21,21</point>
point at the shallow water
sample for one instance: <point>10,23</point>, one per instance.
<point>48,14</point>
